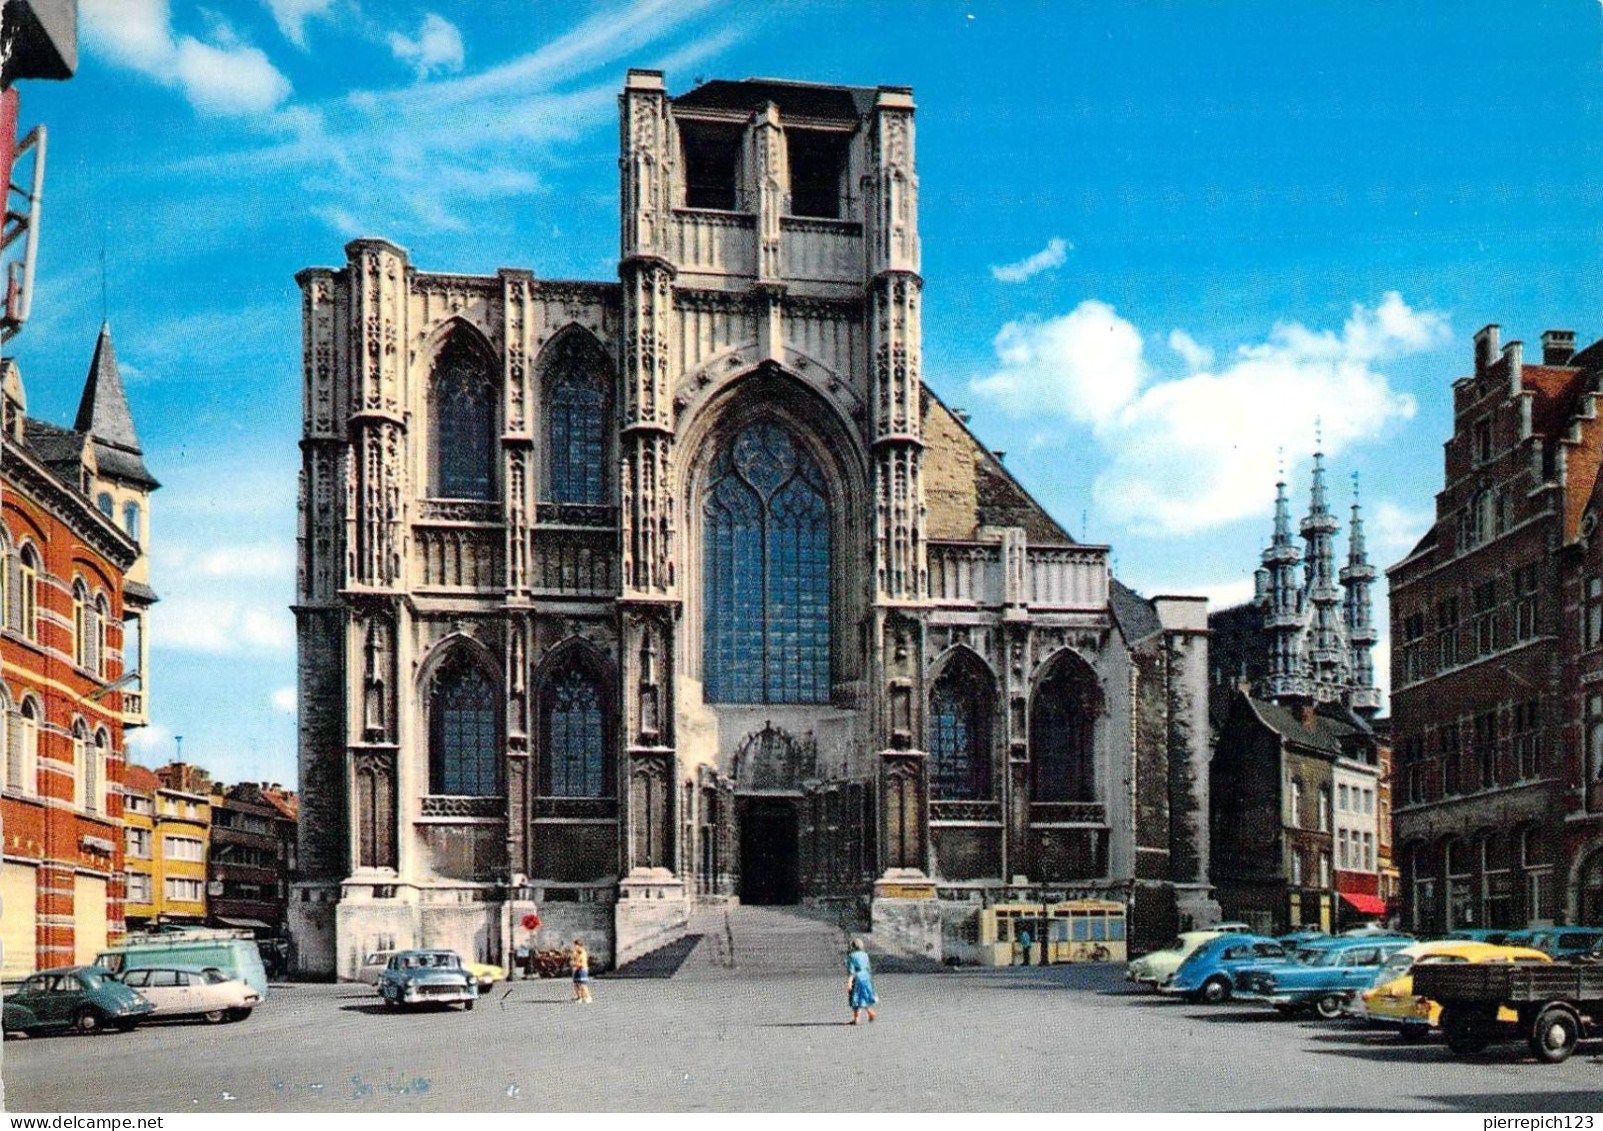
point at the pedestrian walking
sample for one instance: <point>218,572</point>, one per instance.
<point>580,961</point>
<point>860,983</point>
<point>1025,941</point>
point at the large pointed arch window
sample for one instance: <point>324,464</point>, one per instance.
<point>464,736</point>
<point>573,736</point>
<point>462,421</point>
<point>960,733</point>
<point>1062,733</point>
<point>576,420</point>
<point>766,545</point>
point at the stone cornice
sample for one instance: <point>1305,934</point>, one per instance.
<point>72,508</point>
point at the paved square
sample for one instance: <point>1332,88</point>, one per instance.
<point>721,1039</point>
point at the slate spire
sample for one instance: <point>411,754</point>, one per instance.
<point>103,414</point>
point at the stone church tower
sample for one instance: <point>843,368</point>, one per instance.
<point>614,597</point>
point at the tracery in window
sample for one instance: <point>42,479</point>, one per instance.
<point>573,736</point>
<point>766,542</point>
<point>464,736</point>
<point>1062,732</point>
<point>960,732</point>
<point>462,415</point>
<point>576,420</point>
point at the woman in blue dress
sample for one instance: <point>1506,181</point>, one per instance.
<point>860,983</point>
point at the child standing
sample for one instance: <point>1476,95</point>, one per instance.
<point>580,960</point>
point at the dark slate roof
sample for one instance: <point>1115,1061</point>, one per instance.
<point>56,448</point>
<point>139,592</point>
<point>1137,617</point>
<point>794,99</point>
<point>1237,648</point>
<point>1331,733</point>
<point>103,414</point>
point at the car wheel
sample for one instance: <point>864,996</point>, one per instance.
<point>1554,1035</point>
<point>1215,990</point>
<point>89,1020</point>
<point>126,1024</point>
<point>1329,1006</point>
<point>468,1005</point>
<point>1464,1037</point>
<point>214,1016</point>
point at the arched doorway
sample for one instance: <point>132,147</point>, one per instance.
<point>770,768</point>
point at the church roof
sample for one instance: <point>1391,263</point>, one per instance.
<point>1137,617</point>
<point>794,99</point>
<point>103,414</point>
<point>1323,732</point>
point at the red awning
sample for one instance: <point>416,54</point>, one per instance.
<point>1367,904</point>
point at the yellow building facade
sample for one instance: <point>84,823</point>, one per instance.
<point>168,842</point>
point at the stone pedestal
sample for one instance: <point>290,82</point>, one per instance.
<point>652,911</point>
<point>905,915</point>
<point>1195,906</point>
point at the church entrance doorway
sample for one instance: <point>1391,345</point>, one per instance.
<point>770,851</point>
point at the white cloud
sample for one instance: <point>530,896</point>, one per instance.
<point>150,745</point>
<point>437,47</point>
<point>284,700</point>
<point>222,625</point>
<point>1196,451</point>
<point>247,562</point>
<point>1195,356</point>
<point>291,16</point>
<point>1083,365</point>
<point>1392,530</point>
<point>222,78</point>
<point>1221,594</point>
<point>1050,256</point>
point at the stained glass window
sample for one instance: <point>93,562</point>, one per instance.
<point>960,735</point>
<point>574,740</point>
<point>577,411</point>
<point>462,399</point>
<point>464,758</point>
<point>1062,728</point>
<point>767,547</point>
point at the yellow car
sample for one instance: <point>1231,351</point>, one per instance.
<point>486,974</point>
<point>1391,1000</point>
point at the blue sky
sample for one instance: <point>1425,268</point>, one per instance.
<point>1160,240</point>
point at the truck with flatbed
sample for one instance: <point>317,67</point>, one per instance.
<point>1558,1004</point>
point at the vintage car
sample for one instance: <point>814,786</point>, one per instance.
<point>1565,943</point>
<point>1208,975</point>
<point>1154,968</point>
<point>1320,976</point>
<point>1303,935</point>
<point>85,998</point>
<point>418,977</point>
<point>375,963</point>
<point>1391,1001</point>
<point>191,991</point>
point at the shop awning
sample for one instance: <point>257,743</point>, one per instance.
<point>1367,904</point>
<point>248,924</point>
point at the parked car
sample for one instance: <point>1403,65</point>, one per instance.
<point>1209,973</point>
<point>1373,930</point>
<point>190,991</point>
<point>1303,935</point>
<point>85,998</point>
<point>1391,1001</point>
<point>1322,976</point>
<point>1154,968</point>
<point>416,977</point>
<point>235,953</point>
<point>1232,927</point>
<point>376,962</point>
<point>1565,943</point>
<point>1478,934</point>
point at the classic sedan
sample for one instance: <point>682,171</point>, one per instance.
<point>1391,1001</point>
<point>1209,974</point>
<point>486,974</point>
<point>193,991</point>
<point>1153,969</point>
<point>417,977</point>
<point>84,998</point>
<point>1320,977</point>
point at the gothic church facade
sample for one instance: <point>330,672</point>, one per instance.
<point>615,597</point>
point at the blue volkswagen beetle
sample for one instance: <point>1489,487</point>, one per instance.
<point>1321,976</point>
<point>1208,974</point>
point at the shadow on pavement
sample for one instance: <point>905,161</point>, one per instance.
<point>805,1025</point>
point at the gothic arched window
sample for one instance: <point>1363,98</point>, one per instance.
<point>464,739</point>
<point>960,734</point>
<point>576,422</point>
<point>1062,733</point>
<point>766,544</point>
<point>573,737</point>
<point>462,415</point>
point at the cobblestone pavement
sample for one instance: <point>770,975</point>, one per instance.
<point>725,1035</point>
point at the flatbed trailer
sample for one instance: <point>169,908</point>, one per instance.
<point>1559,1004</point>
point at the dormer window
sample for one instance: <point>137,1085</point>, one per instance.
<point>711,159</point>
<point>817,170</point>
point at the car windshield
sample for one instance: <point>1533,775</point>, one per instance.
<point>1316,957</point>
<point>1396,966</point>
<point>91,979</point>
<point>215,977</point>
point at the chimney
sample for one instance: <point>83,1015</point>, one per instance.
<point>1485,348</point>
<point>1307,715</point>
<point>1558,346</point>
<point>1514,354</point>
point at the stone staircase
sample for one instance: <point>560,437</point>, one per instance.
<point>765,942</point>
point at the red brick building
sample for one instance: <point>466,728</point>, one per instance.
<point>1496,673</point>
<point>66,597</point>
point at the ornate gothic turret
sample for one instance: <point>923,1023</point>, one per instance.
<point>1283,617</point>
<point>1327,661</point>
<point>1356,577</point>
